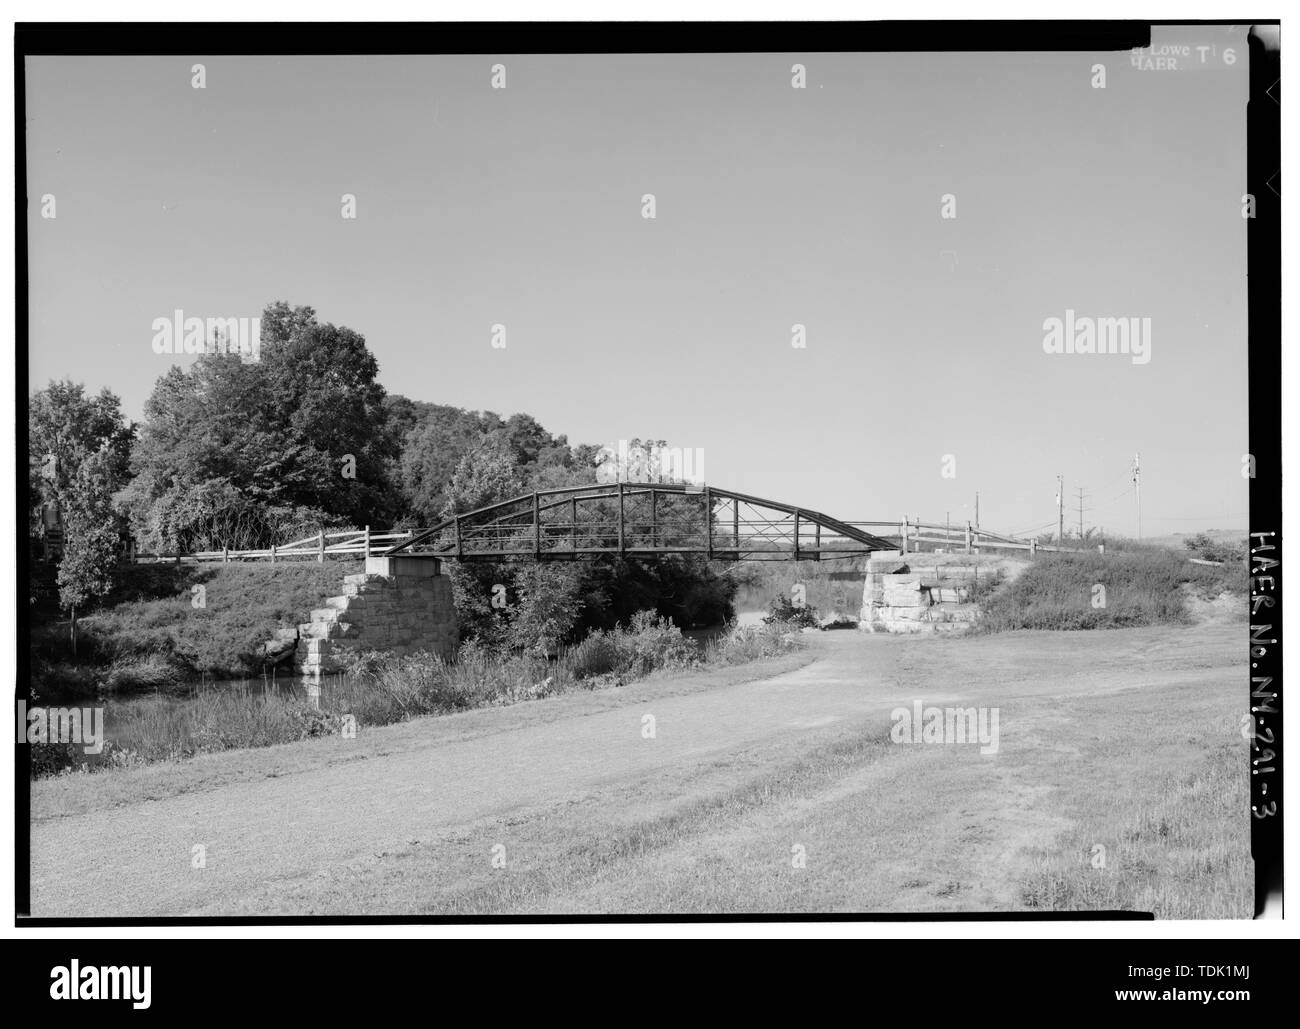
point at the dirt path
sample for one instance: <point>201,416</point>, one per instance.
<point>319,820</point>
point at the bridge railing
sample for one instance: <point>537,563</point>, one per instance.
<point>359,542</point>
<point>728,534</point>
<point>965,537</point>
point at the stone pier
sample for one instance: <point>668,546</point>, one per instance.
<point>401,605</point>
<point>919,593</point>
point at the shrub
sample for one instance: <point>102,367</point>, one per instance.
<point>646,645</point>
<point>1207,548</point>
<point>785,612</point>
<point>596,655</point>
<point>387,687</point>
<point>652,642</point>
<point>69,758</point>
<point>742,643</point>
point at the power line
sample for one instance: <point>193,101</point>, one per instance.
<point>1110,484</point>
<point>1116,498</point>
<point>1036,529</point>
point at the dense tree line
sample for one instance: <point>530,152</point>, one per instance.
<point>242,453</point>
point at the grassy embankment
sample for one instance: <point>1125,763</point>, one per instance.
<point>166,625</point>
<point>1142,586</point>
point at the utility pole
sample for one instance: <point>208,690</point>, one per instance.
<point>1060,511</point>
<point>1137,484</point>
<point>1080,517</point>
<point>977,509</point>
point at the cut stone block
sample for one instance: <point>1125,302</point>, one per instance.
<point>401,565</point>
<point>361,579</point>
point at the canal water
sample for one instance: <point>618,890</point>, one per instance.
<point>750,606</point>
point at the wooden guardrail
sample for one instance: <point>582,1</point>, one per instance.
<point>910,532</point>
<point>362,542</point>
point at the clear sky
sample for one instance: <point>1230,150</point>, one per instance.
<point>774,206</point>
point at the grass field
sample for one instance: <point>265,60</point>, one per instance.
<point>889,830</point>
<point>1181,853</point>
<point>771,788</point>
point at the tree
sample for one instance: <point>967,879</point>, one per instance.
<point>433,449</point>
<point>65,427</point>
<point>302,435</point>
<point>546,603</point>
<point>322,380</point>
<point>559,465</point>
<point>91,537</point>
<point>486,475</point>
<point>436,438</point>
<point>527,438</point>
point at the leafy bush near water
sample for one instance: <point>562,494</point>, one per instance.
<point>751,643</point>
<point>482,675</point>
<point>782,610</point>
<point>648,644</point>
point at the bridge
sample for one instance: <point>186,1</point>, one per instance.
<point>641,519</point>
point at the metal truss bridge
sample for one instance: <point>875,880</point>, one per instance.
<point>642,520</point>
